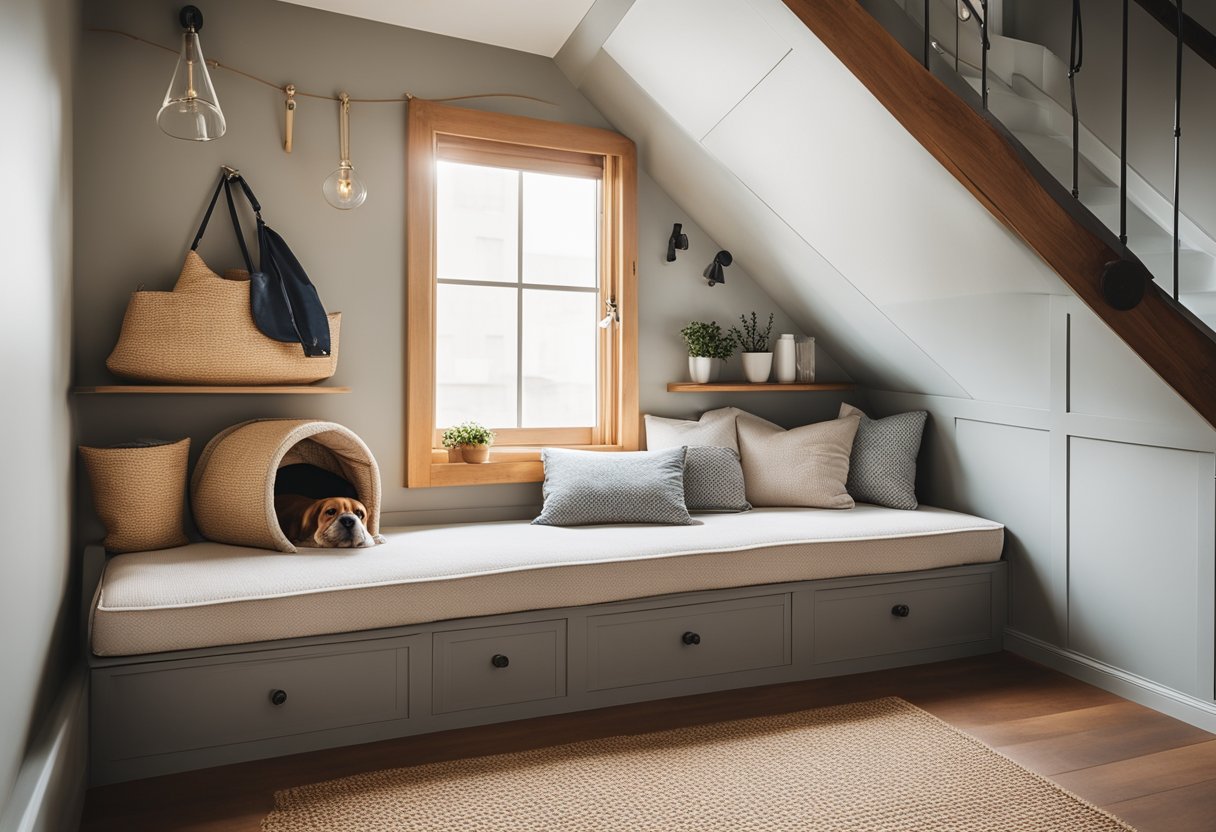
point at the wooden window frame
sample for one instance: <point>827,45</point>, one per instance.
<point>556,144</point>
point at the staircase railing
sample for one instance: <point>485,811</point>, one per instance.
<point>885,50</point>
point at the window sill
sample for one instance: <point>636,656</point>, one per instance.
<point>506,465</point>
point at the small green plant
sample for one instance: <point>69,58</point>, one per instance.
<point>707,340</point>
<point>467,433</point>
<point>750,338</point>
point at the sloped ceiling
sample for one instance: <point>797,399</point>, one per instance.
<point>537,26</point>
<point>760,133</point>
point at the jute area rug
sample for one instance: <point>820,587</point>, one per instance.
<point>880,766</point>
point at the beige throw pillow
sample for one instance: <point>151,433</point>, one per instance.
<point>806,466</point>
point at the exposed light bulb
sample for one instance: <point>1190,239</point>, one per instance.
<point>191,109</point>
<point>343,189</point>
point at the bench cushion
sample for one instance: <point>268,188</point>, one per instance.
<point>209,594</point>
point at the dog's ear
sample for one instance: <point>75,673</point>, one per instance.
<point>309,521</point>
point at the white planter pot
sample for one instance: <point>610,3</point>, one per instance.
<point>757,366</point>
<point>700,369</point>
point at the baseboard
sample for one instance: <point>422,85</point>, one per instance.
<point>1197,712</point>
<point>49,793</point>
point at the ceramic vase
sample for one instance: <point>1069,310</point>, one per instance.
<point>700,369</point>
<point>757,366</point>
<point>784,364</point>
<point>475,453</point>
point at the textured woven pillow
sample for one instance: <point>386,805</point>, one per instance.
<point>139,492</point>
<point>883,466</point>
<point>806,466</point>
<point>589,488</point>
<point>715,428</point>
<point>713,480</point>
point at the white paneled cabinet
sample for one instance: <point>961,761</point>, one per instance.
<point>1140,560</point>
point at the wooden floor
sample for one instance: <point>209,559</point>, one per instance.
<point>1155,772</point>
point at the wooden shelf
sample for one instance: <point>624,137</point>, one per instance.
<point>191,390</point>
<point>747,387</point>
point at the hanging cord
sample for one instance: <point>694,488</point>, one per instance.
<point>214,64</point>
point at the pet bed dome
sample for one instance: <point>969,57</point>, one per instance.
<point>232,490</point>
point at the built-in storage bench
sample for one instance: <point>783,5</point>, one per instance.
<point>175,710</point>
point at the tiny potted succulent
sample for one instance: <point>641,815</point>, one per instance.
<point>757,359</point>
<point>708,347</point>
<point>468,442</point>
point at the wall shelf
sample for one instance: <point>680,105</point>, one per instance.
<point>747,387</point>
<point>190,390</point>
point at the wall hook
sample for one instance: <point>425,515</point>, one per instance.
<point>713,272</point>
<point>679,240</point>
<point>289,115</point>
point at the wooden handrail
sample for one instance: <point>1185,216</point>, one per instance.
<point>1199,39</point>
<point>979,153</point>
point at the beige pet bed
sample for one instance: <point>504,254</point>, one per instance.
<point>232,490</point>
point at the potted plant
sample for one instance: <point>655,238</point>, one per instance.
<point>468,442</point>
<point>757,360</point>
<point>708,346</point>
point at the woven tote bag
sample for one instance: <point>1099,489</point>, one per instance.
<point>203,332</point>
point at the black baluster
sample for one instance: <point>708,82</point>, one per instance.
<point>1075,57</point>
<point>984,54</point>
<point>1177,137</point>
<point>927,36</point>
<point>1123,139</point>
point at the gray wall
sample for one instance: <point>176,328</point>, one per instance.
<point>1150,91</point>
<point>140,195</point>
<point>36,45</point>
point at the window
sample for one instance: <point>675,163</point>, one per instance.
<point>521,239</point>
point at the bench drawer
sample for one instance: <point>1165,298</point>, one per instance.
<point>659,645</point>
<point>487,666</point>
<point>876,620</point>
<point>156,709</point>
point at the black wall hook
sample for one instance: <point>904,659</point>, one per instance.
<point>679,240</point>
<point>191,18</point>
<point>713,272</point>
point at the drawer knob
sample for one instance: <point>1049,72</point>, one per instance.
<point>900,610</point>
<point>499,660</point>
<point>691,638</point>
<point>278,697</point>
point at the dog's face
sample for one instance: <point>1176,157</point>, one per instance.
<point>336,523</point>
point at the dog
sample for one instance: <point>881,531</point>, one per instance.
<point>331,523</point>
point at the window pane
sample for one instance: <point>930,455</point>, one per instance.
<point>561,229</point>
<point>475,355</point>
<point>477,222</point>
<point>559,361</point>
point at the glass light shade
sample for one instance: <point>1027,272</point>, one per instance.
<point>191,110</point>
<point>343,189</point>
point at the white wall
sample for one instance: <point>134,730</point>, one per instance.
<point>36,45</point>
<point>136,219</point>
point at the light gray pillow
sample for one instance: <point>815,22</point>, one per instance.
<point>882,469</point>
<point>715,428</point>
<point>713,480</point>
<point>590,488</point>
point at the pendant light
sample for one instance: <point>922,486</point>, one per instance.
<point>342,188</point>
<point>191,110</point>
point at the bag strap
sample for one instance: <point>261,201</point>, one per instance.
<point>226,186</point>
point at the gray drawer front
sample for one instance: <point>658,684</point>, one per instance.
<point>637,648</point>
<point>153,709</point>
<point>856,622</point>
<point>466,677</point>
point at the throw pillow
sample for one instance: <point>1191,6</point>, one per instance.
<point>883,466</point>
<point>715,428</point>
<point>806,466</point>
<point>587,488</point>
<point>713,480</point>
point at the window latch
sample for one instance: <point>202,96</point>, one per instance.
<point>613,316</point>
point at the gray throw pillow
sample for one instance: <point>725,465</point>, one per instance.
<point>588,488</point>
<point>882,469</point>
<point>713,480</point>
